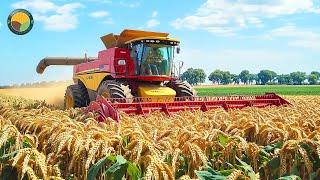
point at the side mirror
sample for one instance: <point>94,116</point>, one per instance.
<point>178,50</point>
<point>181,63</point>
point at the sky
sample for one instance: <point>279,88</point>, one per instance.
<point>281,35</point>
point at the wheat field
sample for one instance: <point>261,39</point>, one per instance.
<point>39,141</point>
<point>51,94</point>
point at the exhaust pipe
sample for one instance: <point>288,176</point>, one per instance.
<point>45,62</point>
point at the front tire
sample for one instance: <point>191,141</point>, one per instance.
<point>76,96</point>
<point>183,89</point>
<point>113,89</point>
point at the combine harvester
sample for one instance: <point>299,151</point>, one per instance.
<point>136,75</point>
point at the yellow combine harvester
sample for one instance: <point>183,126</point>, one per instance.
<point>136,74</point>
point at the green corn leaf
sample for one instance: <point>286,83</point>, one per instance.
<point>26,144</point>
<point>112,159</point>
<point>125,141</point>
<point>263,152</point>
<point>272,147</point>
<point>8,156</point>
<point>313,176</point>
<point>226,172</point>
<point>216,154</point>
<point>295,169</point>
<point>206,175</point>
<point>182,170</point>
<point>93,171</point>
<point>223,139</point>
<point>5,148</point>
<point>117,165</point>
<point>120,172</point>
<point>133,171</point>
<point>9,173</point>
<point>247,169</point>
<point>274,163</point>
<point>212,171</point>
<point>291,177</point>
<point>118,169</point>
<point>70,177</point>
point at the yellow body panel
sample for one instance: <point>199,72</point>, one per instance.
<point>91,80</point>
<point>127,35</point>
<point>157,93</point>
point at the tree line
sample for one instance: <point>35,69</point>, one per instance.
<point>196,76</point>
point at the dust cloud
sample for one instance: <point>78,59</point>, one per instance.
<point>50,94</point>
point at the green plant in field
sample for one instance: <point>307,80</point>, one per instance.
<point>240,170</point>
<point>291,177</point>
<point>114,167</point>
<point>249,90</point>
<point>305,164</point>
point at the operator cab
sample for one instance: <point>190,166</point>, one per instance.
<point>153,56</point>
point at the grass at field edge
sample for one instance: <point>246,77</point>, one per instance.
<point>250,90</point>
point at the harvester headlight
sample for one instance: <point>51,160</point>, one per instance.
<point>122,62</point>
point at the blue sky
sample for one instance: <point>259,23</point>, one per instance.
<point>281,35</point>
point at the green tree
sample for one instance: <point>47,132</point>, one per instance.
<point>298,77</point>
<point>265,76</point>
<point>235,78</point>
<point>226,77</point>
<point>194,76</point>
<point>313,79</point>
<point>316,73</point>
<point>284,79</point>
<point>201,75</point>
<point>216,76</point>
<point>244,76</point>
<point>252,78</point>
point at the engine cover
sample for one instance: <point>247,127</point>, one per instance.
<point>156,93</point>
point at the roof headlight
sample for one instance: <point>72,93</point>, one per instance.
<point>121,62</point>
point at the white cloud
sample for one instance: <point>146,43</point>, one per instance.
<point>290,30</point>
<point>59,22</point>
<point>298,37</point>
<point>68,8</point>
<point>99,14</point>
<point>154,14</point>
<point>130,5</point>
<point>226,17</point>
<point>255,21</point>
<point>152,23</point>
<point>0,24</point>
<point>101,1</point>
<point>41,6</point>
<point>108,21</point>
<point>102,15</point>
<point>54,17</point>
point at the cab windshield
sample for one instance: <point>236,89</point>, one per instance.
<point>152,59</point>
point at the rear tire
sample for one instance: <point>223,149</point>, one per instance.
<point>183,89</point>
<point>76,96</point>
<point>114,89</point>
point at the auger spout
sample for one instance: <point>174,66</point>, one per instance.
<point>48,61</point>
